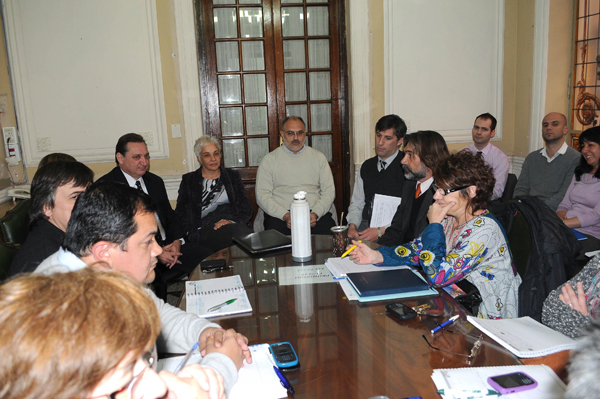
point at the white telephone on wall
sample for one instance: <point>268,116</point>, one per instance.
<point>22,193</point>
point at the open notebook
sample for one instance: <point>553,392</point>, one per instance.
<point>203,295</point>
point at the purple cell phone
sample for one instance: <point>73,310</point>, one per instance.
<point>513,382</point>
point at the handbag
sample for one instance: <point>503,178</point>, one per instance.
<point>471,299</point>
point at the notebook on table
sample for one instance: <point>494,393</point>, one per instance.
<point>387,282</point>
<point>264,241</point>
<point>203,296</point>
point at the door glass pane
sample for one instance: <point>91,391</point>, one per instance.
<point>291,1</point>
<point>297,110</point>
<point>256,121</point>
<point>225,23</point>
<point>251,24</point>
<point>253,2</point>
<point>322,143</point>
<point>231,121</point>
<point>293,54</point>
<point>233,153</point>
<point>255,90</point>
<point>320,117</point>
<point>319,86</point>
<point>319,1</point>
<point>253,56</point>
<point>295,86</point>
<point>292,21</point>
<point>318,53</point>
<point>257,149</point>
<point>228,58</point>
<point>317,21</point>
<point>230,90</point>
<point>223,1</point>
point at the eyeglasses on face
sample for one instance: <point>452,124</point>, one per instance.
<point>446,191</point>
<point>291,133</point>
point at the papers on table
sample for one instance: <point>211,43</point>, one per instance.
<point>384,209</point>
<point>524,336</point>
<point>475,378</point>
<point>258,379</point>
<point>293,275</point>
<point>340,267</point>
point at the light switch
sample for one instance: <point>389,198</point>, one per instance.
<point>176,131</point>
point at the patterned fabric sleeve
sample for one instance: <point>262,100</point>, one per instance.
<point>429,251</point>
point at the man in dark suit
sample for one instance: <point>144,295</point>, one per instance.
<point>133,162</point>
<point>422,152</point>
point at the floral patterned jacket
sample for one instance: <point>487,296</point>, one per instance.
<point>477,251</point>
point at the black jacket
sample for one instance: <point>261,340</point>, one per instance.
<point>394,234</point>
<point>554,248</point>
<point>43,240</point>
<point>157,191</point>
<point>189,201</point>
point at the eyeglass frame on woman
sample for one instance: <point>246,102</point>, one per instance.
<point>446,191</point>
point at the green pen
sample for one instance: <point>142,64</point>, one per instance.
<point>219,306</point>
<point>477,392</point>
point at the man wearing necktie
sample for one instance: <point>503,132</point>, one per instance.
<point>381,174</point>
<point>423,150</point>
<point>133,162</point>
<point>484,129</point>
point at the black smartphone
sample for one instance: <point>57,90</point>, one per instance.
<point>284,355</point>
<point>401,311</point>
<point>212,265</point>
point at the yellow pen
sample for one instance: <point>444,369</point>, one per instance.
<point>350,250</point>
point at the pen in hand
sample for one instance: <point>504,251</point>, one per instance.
<point>350,250</point>
<point>185,359</point>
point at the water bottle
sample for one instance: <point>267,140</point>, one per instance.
<point>300,215</point>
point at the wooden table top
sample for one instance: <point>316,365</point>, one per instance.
<point>348,349</point>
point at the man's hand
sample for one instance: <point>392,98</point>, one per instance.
<point>229,347</point>
<point>287,218</point>
<point>170,254</point>
<point>369,234</point>
<point>437,213</point>
<point>352,232</point>
<point>180,387</point>
<point>222,223</point>
<point>313,219</point>
<point>219,334</point>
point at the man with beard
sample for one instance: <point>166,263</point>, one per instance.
<point>423,150</point>
<point>291,168</point>
<point>547,173</point>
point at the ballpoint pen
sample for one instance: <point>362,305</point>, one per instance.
<point>444,324</point>
<point>219,306</point>
<point>284,381</point>
<point>185,359</point>
<point>349,250</point>
<point>484,392</point>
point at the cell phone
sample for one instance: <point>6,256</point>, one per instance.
<point>212,265</point>
<point>284,355</point>
<point>513,382</point>
<point>401,311</point>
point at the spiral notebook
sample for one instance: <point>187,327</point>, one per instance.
<point>203,295</point>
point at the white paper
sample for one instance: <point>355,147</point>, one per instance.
<point>549,385</point>
<point>340,267</point>
<point>294,275</point>
<point>348,290</point>
<point>258,379</point>
<point>384,209</point>
<point>171,363</point>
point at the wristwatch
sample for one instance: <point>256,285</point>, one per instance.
<point>379,232</point>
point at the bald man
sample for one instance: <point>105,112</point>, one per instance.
<point>547,173</point>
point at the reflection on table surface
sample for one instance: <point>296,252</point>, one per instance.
<point>348,349</point>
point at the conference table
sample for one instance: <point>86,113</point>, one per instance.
<point>348,349</point>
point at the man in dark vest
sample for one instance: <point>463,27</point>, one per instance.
<point>423,150</point>
<point>381,174</point>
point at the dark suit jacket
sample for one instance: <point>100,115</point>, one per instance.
<point>157,191</point>
<point>394,235</point>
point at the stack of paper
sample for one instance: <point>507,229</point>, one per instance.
<point>524,336</point>
<point>460,383</point>
<point>341,267</point>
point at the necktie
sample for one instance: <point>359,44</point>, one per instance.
<point>480,154</point>
<point>383,164</point>
<point>418,192</point>
<point>138,185</point>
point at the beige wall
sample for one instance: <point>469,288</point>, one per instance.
<point>377,71</point>
<point>7,118</point>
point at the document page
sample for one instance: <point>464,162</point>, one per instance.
<point>384,209</point>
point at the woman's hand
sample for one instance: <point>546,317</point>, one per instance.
<point>363,255</point>
<point>222,223</point>
<point>562,215</point>
<point>575,300</point>
<point>437,213</point>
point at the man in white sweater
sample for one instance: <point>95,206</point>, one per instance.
<point>113,225</point>
<point>291,168</point>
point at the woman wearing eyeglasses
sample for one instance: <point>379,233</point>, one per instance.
<point>86,334</point>
<point>462,241</point>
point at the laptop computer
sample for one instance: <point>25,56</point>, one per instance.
<point>264,241</point>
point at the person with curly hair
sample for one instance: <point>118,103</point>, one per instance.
<point>462,241</point>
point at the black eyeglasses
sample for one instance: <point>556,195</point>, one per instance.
<point>446,191</point>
